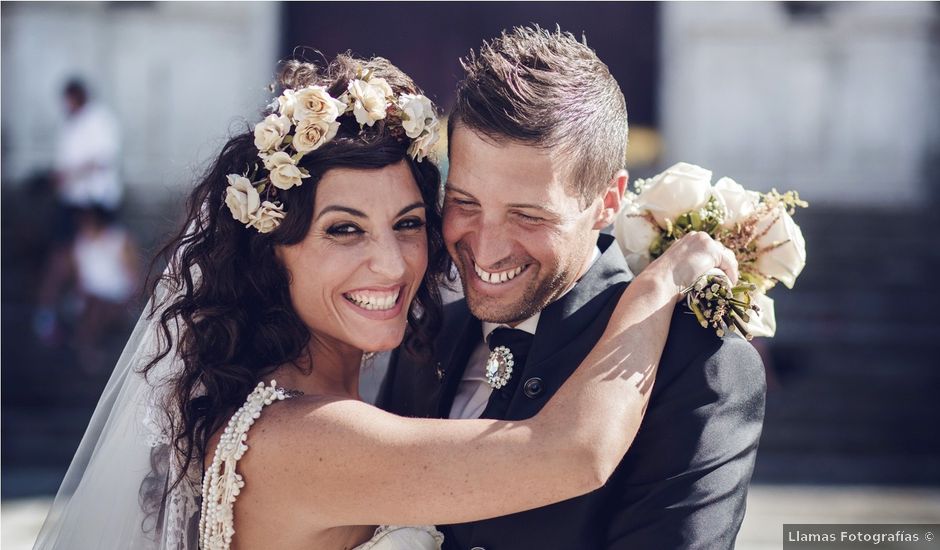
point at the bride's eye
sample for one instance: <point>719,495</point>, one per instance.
<point>343,230</point>
<point>409,224</point>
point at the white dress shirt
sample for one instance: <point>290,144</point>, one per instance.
<point>88,157</point>
<point>474,391</point>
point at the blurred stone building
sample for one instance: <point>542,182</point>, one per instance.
<point>177,74</point>
<point>835,100</point>
<point>838,100</point>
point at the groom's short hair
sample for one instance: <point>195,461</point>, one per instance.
<point>547,89</point>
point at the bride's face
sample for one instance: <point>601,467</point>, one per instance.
<point>354,275</point>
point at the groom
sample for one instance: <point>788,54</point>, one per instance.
<point>536,143</point>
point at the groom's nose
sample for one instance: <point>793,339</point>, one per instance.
<point>493,244</point>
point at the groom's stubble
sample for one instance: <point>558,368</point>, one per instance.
<point>537,295</point>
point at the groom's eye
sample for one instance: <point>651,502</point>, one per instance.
<point>462,203</point>
<point>527,218</point>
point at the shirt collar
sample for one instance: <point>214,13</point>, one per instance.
<point>532,323</point>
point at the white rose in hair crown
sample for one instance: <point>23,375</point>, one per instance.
<point>302,121</point>
<point>757,227</point>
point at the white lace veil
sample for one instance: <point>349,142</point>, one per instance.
<point>111,497</point>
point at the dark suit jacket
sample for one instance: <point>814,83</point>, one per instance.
<point>684,480</point>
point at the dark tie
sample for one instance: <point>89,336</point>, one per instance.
<point>518,342</point>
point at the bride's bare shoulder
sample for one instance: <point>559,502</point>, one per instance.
<point>293,448</point>
<point>282,423</point>
<point>316,414</point>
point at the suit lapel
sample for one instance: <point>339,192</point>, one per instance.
<point>569,327</point>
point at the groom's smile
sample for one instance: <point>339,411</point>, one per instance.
<point>498,281</point>
<point>499,277</point>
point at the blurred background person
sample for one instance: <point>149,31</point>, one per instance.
<point>88,153</point>
<point>100,266</point>
<point>86,179</point>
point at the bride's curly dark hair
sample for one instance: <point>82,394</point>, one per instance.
<point>230,310</point>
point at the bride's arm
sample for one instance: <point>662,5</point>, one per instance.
<point>348,463</point>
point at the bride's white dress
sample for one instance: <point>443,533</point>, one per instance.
<point>222,484</point>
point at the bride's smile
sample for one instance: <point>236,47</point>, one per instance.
<point>370,299</point>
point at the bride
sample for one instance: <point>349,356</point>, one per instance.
<point>233,418</point>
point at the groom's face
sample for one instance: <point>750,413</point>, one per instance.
<point>517,231</point>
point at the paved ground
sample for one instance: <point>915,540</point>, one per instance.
<point>769,507</point>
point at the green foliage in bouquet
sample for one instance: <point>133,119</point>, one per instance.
<point>707,219</point>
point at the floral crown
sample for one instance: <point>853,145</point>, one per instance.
<point>303,121</point>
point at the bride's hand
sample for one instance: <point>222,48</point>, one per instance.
<point>689,258</point>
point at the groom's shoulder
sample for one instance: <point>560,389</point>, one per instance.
<point>687,340</point>
<point>692,350</point>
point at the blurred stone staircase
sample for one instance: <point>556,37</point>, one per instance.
<point>854,372</point>
<point>47,399</point>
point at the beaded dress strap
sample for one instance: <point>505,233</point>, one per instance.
<point>221,484</point>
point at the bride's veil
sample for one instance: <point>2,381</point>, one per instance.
<point>113,493</point>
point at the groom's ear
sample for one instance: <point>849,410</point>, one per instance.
<point>612,199</point>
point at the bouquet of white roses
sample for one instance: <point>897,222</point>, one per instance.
<point>757,227</point>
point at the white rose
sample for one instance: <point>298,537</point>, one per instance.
<point>311,133</point>
<point>267,218</point>
<point>383,86</point>
<point>786,259</point>
<point>270,131</point>
<point>315,102</point>
<point>739,203</point>
<point>634,234</point>
<point>418,114</point>
<point>679,189</point>
<point>762,324</point>
<point>369,99</point>
<point>241,197</point>
<point>422,146</point>
<point>286,102</point>
<point>284,173</point>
